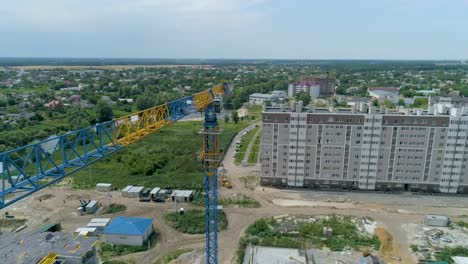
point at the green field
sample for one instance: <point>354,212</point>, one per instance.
<point>167,159</point>
<point>244,144</point>
<point>193,221</point>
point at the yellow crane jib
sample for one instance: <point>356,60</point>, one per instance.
<point>133,127</point>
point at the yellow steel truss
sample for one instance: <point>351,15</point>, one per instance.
<point>218,90</point>
<point>212,157</point>
<point>133,127</point>
<point>49,259</point>
<point>202,99</point>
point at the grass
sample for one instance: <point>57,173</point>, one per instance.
<point>297,233</point>
<point>11,223</point>
<point>109,250</point>
<point>244,201</point>
<point>414,248</point>
<point>114,208</point>
<point>167,159</point>
<point>172,256</point>
<point>462,224</point>
<point>193,221</point>
<point>244,144</point>
<point>255,111</point>
<point>448,252</point>
<point>253,155</point>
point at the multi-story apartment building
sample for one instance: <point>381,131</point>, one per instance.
<point>366,148</point>
<point>327,83</point>
<point>312,88</point>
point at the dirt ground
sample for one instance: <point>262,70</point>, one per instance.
<point>391,212</point>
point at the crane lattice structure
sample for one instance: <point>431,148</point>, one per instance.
<point>28,169</point>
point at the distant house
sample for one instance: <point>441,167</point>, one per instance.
<point>128,100</point>
<point>131,231</point>
<point>384,93</point>
<point>276,98</point>
<point>54,104</point>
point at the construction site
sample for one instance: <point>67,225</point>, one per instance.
<point>48,220</point>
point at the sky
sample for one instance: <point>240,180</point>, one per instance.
<point>235,29</point>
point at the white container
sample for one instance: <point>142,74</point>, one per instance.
<point>125,190</point>
<point>135,191</point>
<point>104,187</point>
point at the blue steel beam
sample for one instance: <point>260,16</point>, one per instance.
<point>28,169</point>
<point>211,156</point>
<point>180,108</point>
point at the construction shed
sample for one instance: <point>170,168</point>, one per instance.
<point>182,196</point>
<point>436,220</point>
<point>135,191</point>
<point>154,192</point>
<point>104,187</point>
<point>125,190</point>
<point>131,231</point>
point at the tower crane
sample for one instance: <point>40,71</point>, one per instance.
<point>26,170</point>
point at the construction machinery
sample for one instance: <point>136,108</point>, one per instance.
<point>225,182</point>
<point>28,169</point>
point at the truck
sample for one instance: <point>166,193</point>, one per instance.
<point>145,195</point>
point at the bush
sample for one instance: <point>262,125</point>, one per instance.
<point>447,253</point>
<point>193,221</point>
<point>115,208</point>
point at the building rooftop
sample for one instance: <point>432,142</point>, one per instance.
<point>460,260</point>
<point>31,248</point>
<point>128,225</point>
<point>308,83</point>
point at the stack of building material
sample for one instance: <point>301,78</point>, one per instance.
<point>86,231</point>
<point>125,190</point>
<point>135,191</point>
<point>99,223</point>
<point>104,187</point>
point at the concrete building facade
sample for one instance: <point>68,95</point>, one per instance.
<point>310,87</point>
<point>326,83</point>
<point>366,148</point>
<point>275,98</point>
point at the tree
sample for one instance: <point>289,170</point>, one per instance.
<point>375,102</point>
<point>104,111</point>
<point>235,116</point>
<point>401,102</point>
<point>420,103</point>
<point>144,102</point>
<point>304,97</point>
<point>389,104</point>
<point>78,118</point>
<point>226,118</point>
